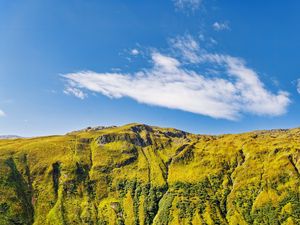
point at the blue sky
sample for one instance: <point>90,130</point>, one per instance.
<point>200,66</point>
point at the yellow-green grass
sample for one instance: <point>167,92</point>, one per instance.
<point>137,174</point>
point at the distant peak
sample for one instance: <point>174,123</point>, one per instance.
<point>9,137</point>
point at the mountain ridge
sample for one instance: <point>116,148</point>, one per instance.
<point>140,174</point>
<point>9,136</point>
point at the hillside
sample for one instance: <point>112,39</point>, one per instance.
<point>137,174</point>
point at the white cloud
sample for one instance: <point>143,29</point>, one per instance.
<point>218,26</point>
<point>187,4</point>
<point>228,95</point>
<point>188,47</point>
<point>69,90</point>
<point>134,52</point>
<point>2,113</point>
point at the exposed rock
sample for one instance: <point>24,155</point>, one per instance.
<point>88,129</point>
<point>131,138</point>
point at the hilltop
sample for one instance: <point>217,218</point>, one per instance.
<point>139,174</point>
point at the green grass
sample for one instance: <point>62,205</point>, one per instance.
<point>136,174</point>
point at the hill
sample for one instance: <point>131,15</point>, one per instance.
<point>138,174</point>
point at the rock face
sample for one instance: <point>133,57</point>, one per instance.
<point>138,174</point>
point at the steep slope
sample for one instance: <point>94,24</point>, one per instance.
<point>137,174</point>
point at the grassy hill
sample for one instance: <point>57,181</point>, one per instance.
<point>137,174</point>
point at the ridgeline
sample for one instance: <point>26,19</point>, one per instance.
<point>139,174</point>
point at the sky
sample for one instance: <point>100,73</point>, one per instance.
<point>203,66</point>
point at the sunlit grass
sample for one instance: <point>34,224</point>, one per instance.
<point>143,175</point>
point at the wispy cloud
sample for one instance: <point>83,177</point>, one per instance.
<point>187,46</point>
<point>71,90</point>
<point>298,86</point>
<point>2,113</point>
<point>228,95</point>
<point>219,26</point>
<point>187,4</point>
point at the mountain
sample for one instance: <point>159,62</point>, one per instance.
<point>139,174</point>
<point>9,136</point>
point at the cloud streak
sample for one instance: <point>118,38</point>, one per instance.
<point>187,4</point>
<point>218,26</point>
<point>188,48</point>
<point>168,83</point>
<point>298,86</point>
<point>71,90</point>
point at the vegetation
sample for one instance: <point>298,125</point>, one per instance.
<point>141,175</point>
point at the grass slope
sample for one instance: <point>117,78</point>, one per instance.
<point>137,174</point>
